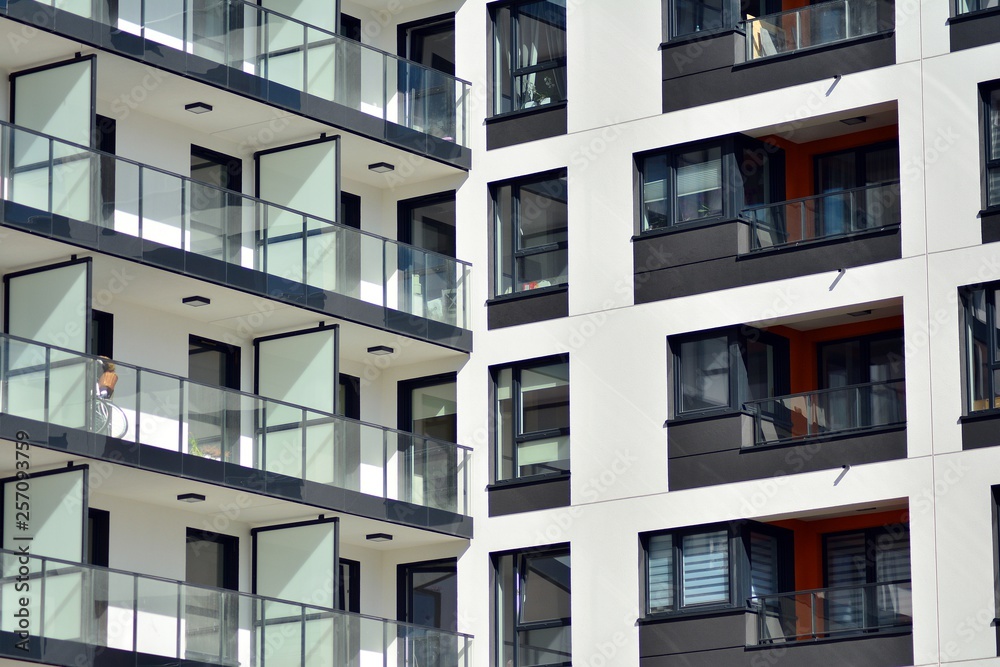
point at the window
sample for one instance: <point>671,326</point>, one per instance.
<point>531,233</point>
<point>992,141</point>
<point>684,18</point>
<point>529,54</point>
<point>982,349</point>
<point>714,566</point>
<point>722,369</point>
<point>706,181</point>
<point>869,571</point>
<point>966,6</point>
<point>533,607</point>
<point>532,418</point>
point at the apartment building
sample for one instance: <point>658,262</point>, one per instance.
<point>515,333</point>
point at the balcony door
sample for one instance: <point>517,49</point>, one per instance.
<point>215,211</point>
<point>873,366</point>
<point>211,616</point>
<point>429,287</point>
<point>428,409</point>
<point>214,415</point>
<point>865,167</point>
<point>428,100</point>
<point>427,596</point>
<point>871,571</point>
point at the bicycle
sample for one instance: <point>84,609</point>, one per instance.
<point>108,416</point>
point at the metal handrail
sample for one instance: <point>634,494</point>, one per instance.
<point>230,193</point>
<point>770,606</point>
<point>388,438</point>
<point>749,405</point>
<point>245,619</point>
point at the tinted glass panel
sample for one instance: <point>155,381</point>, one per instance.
<point>704,374</point>
<point>545,398</point>
<point>705,566</point>
<point>691,16</point>
<point>545,590</point>
<point>660,577</point>
<point>655,201</point>
<point>699,184</point>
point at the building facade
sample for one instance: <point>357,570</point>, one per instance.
<point>514,333</point>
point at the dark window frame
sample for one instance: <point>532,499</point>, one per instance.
<point>990,127</point>
<point>352,570</point>
<point>404,216</point>
<point>517,436</point>
<point>231,353</point>
<point>404,589</point>
<point>512,228</point>
<point>739,573</point>
<point>510,77</point>
<point>736,171</point>
<point>956,12</point>
<point>519,557</point>
<point>871,535</point>
<point>992,361</point>
<point>737,340</point>
<point>230,552</point>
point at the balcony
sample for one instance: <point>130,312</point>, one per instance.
<point>828,412</point>
<point>831,613</point>
<point>112,617</point>
<point>165,423</point>
<point>96,200</point>
<point>813,26</point>
<point>795,397</point>
<point>277,59</point>
<point>825,216</point>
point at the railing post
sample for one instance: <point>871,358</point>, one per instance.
<point>798,29</point>
<point>812,614</point>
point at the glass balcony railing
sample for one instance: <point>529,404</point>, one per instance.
<point>58,387</point>
<point>112,609</point>
<point>828,613</point>
<point>226,229</point>
<point>293,55</point>
<point>824,216</point>
<point>828,411</point>
<point>815,25</point>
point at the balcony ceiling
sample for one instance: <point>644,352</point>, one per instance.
<point>823,319</point>
<point>156,289</point>
<point>804,130</point>
<point>125,86</point>
<point>162,490</point>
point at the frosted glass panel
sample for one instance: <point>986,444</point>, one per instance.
<point>303,178</point>
<point>300,369</point>
<point>51,307</point>
<point>57,101</point>
<point>57,508</point>
<point>298,563</point>
<point>320,13</point>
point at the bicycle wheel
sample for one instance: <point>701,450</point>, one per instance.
<point>117,421</point>
<point>102,416</point>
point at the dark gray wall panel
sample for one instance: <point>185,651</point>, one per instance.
<point>708,452</point>
<point>974,30</point>
<point>719,641</point>
<point>702,54</point>
<point>980,431</point>
<point>990,220</point>
<point>726,269</point>
<point>727,629</point>
<point>539,307</point>
<point>528,497</point>
<point>547,121</point>
<point>716,85</point>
